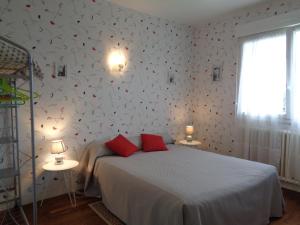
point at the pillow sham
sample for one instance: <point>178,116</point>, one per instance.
<point>152,142</point>
<point>121,146</point>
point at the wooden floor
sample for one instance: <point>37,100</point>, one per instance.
<point>57,211</point>
<point>292,214</point>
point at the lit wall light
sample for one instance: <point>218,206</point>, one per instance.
<point>116,61</point>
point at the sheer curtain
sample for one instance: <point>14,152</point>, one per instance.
<point>262,96</point>
<point>268,109</point>
<point>263,78</point>
<point>291,163</point>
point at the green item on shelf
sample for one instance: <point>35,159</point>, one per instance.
<point>11,95</point>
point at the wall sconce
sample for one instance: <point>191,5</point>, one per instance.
<point>116,61</point>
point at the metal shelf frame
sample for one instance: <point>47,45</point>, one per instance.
<point>13,172</point>
<point>7,140</point>
<point>12,76</point>
<point>8,172</point>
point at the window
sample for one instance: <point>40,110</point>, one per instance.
<point>269,75</point>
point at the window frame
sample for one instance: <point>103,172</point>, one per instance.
<point>286,118</point>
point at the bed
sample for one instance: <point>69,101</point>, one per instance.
<point>182,186</point>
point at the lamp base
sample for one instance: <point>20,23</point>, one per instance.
<point>59,160</point>
<point>189,138</point>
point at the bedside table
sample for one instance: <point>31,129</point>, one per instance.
<point>66,170</point>
<point>190,143</point>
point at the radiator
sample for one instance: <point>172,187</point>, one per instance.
<point>286,180</point>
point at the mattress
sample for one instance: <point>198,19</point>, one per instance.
<point>185,186</point>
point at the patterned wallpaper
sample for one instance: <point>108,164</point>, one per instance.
<point>91,103</point>
<point>215,44</point>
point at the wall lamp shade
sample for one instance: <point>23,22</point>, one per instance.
<point>116,61</point>
<point>58,147</point>
<point>189,130</point>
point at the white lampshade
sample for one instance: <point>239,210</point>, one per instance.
<point>57,147</point>
<point>117,60</point>
<point>189,130</point>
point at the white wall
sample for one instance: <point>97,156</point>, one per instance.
<point>91,103</point>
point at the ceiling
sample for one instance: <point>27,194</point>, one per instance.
<point>186,11</point>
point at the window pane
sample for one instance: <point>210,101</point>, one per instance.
<point>262,90</point>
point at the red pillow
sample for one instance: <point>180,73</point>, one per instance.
<point>122,146</point>
<point>151,143</point>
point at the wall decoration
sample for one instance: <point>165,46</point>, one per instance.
<point>171,78</point>
<point>216,73</point>
<point>62,71</point>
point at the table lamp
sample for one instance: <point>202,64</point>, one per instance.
<point>58,148</point>
<point>189,130</point>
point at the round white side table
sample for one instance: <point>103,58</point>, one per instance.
<point>66,170</point>
<point>190,143</point>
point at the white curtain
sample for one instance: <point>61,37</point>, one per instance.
<point>262,145</point>
<point>295,80</point>
<point>263,78</point>
<point>291,163</point>
<point>262,96</point>
<point>268,109</point>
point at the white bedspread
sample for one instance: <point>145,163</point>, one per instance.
<point>184,186</point>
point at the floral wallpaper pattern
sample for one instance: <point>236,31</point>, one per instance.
<point>91,103</point>
<point>215,44</point>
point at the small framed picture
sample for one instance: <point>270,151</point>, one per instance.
<point>171,78</point>
<point>62,71</point>
<point>216,73</point>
